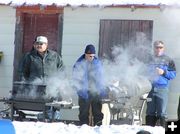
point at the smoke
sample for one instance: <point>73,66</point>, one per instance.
<point>59,86</point>
<point>56,87</point>
<point>127,73</point>
<point>171,38</point>
<point>125,66</point>
<point>127,69</point>
<point>27,90</point>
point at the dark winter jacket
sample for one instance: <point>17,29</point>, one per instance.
<point>88,77</point>
<point>167,64</point>
<point>35,66</point>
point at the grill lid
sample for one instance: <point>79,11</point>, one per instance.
<point>28,91</point>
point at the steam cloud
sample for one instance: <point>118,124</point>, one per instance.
<point>127,69</point>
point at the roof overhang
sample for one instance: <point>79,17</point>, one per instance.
<point>93,3</point>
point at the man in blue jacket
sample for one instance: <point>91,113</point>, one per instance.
<point>88,82</point>
<point>162,70</point>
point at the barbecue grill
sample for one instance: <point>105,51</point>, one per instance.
<point>126,103</point>
<point>28,96</point>
<point>33,97</point>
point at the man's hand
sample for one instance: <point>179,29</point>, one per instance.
<point>160,71</point>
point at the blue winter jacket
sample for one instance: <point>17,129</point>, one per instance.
<point>167,64</point>
<point>80,77</point>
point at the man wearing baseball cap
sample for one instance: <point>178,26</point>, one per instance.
<point>41,62</point>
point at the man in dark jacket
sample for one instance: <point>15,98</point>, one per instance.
<point>88,82</point>
<point>41,62</point>
<point>162,70</point>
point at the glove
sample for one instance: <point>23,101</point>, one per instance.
<point>103,94</point>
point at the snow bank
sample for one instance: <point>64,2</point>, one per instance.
<point>61,128</point>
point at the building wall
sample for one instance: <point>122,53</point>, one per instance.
<point>81,27</point>
<point>7,26</point>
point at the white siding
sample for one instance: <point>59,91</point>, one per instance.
<point>81,27</point>
<point>7,26</point>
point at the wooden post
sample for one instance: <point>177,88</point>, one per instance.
<point>91,123</point>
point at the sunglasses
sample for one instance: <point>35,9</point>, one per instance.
<point>39,43</point>
<point>159,47</point>
<point>91,56</point>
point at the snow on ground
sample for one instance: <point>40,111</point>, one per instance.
<point>61,128</point>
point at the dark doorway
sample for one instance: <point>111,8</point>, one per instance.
<point>40,24</point>
<point>34,21</point>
